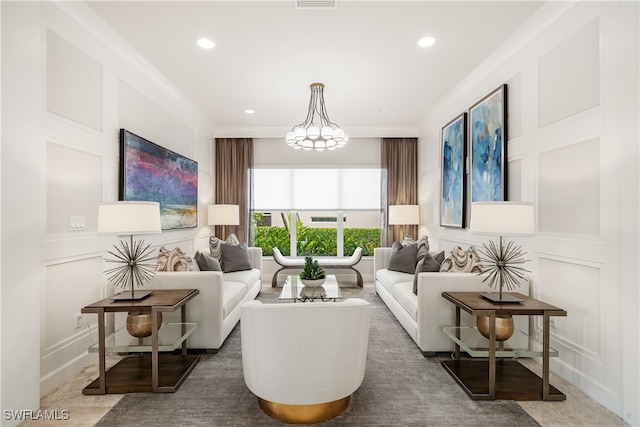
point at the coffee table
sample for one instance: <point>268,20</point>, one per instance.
<point>294,290</point>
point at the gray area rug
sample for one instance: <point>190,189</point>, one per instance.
<point>400,388</point>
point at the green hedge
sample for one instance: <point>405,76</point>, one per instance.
<point>316,241</point>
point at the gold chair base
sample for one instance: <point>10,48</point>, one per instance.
<point>304,414</point>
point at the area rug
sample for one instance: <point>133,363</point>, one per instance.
<point>400,388</point>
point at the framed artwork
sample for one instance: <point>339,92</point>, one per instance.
<point>488,134</point>
<point>149,172</point>
<point>452,194</point>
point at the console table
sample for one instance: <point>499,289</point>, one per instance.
<point>501,379</point>
<point>154,372</point>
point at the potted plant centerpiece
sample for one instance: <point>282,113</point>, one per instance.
<point>312,274</point>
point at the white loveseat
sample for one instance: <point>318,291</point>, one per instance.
<point>217,308</point>
<point>424,315</point>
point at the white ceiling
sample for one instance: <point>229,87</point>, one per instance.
<point>268,52</point>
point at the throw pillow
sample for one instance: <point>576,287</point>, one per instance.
<point>429,264</point>
<point>423,245</point>
<point>174,260</point>
<point>215,242</point>
<point>461,261</point>
<point>235,257</point>
<point>207,263</point>
<point>403,258</point>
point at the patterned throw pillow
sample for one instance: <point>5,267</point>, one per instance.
<point>461,261</point>
<point>175,260</point>
<point>215,242</point>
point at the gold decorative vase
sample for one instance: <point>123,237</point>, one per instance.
<point>139,323</point>
<point>504,327</point>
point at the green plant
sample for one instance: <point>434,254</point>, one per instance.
<point>311,270</point>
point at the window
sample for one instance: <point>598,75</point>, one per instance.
<point>317,212</point>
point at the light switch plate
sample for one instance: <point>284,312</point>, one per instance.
<point>76,223</point>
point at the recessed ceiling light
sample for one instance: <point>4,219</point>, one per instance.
<point>426,41</point>
<point>205,43</point>
<point>249,111</point>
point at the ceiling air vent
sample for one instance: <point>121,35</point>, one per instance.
<point>315,4</point>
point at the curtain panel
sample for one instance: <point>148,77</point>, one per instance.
<point>233,182</point>
<point>399,163</point>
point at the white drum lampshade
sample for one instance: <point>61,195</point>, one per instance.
<point>135,263</point>
<point>120,218</point>
<point>224,214</point>
<point>404,215</point>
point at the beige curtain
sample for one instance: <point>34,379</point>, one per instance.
<point>399,162</point>
<point>233,175</point>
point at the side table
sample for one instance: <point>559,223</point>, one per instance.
<point>157,372</point>
<point>501,379</point>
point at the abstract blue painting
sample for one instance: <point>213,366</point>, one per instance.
<point>488,123</point>
<point>454,141</point>
<point>149,172</point>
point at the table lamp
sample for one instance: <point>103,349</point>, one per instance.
<point>223,215</point>
<point>404,215</point>
<point>502,262</point>
<point>137,268</point>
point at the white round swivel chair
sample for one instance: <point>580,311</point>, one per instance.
<point>303,361</point>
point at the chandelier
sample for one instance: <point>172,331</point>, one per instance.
<point>317,132</point>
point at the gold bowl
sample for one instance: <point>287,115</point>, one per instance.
<point>139,323</point>
<point>504,327</point>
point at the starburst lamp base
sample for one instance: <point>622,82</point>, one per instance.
<point>502,264</point>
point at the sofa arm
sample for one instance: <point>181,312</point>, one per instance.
<point>255,256</point>
<point>380,258</point>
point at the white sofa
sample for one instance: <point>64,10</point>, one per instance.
<point>424,315</point>
<point>217,308</point>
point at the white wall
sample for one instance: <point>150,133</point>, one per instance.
<point>69,84</point>
<point>572,74</point>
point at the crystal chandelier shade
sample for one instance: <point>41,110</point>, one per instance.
<point>317,132</point>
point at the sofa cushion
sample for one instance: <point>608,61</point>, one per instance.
<point>249,277</point>
<point>403,258</point>
<point>389,278</point>
<point>206,262</point>
<point>232,294</point>
<point>403,293</point>
<point>235,257</point>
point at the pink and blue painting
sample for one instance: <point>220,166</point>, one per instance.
<point>454,141</point>
<point>149,172</point>
<point>488,124</point>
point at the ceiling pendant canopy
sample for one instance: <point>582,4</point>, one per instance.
<point>317,132</point>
